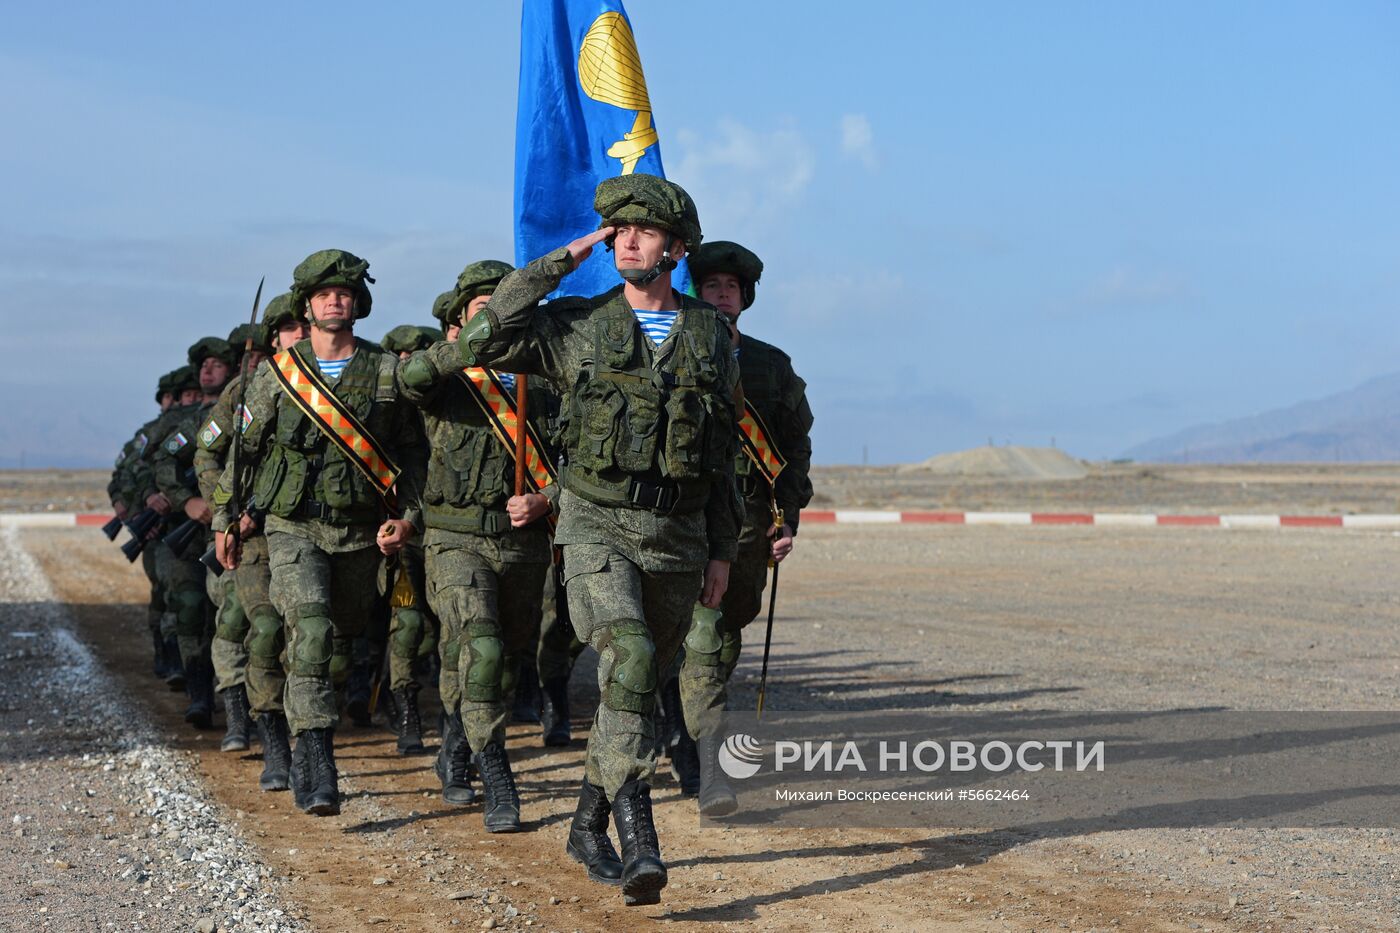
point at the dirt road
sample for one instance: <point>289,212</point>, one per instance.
<point>877,617</point>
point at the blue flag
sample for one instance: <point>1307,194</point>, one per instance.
<point>583,115</point>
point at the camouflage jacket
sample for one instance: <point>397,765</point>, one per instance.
<point>173,462</point>
<point>118,487</point>
<point>617,422</point>
<point>780,397</point>
<point>471,475</point>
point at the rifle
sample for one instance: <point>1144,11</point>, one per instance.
<point>141,526</point>
<point>235,499</point>
<point>112,528</point>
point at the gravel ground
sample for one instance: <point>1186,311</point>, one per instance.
<point>107,827</point>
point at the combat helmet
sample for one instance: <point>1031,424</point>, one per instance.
<point>442,307</point>
<point>278,312</point>
<point>216,347</point>
<point>238,338</point>
<point>479,278</point>
<point>655,202</point>
<point>328,267</point>
<point>166,384</point>
<point>725,256</point>
<point>407,338</point>
<point>186,377</point>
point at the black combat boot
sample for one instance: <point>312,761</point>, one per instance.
<point>588,836</point>
<point>357,690</point>
<point>199,687</point>
<point>314,774</point>
<point>716,796</point>
<point>174,669</point>
<point>680,747</point>
<point>239,727</point>
<point>643,872</point>
<point>554,715</point>
<point>502,811</point>
<point>453,765</point>
<point>158,667</point>
<point>277,752</point>
<point>408,723</point>
<point>527,693</point>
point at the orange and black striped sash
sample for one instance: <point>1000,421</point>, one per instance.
<point>308,390</point>
<point>757,442</point>
<point>498,405</point>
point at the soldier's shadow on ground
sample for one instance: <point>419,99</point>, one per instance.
<point>1369,804</point>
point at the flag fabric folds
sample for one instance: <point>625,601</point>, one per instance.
<point>583,115</point>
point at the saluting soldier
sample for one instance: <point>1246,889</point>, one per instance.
<point>335,445</point>
<point>773,470</point>
<point>487,548</point>
<point>648,514</point>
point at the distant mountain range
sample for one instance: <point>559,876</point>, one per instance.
<point>1360,424</point>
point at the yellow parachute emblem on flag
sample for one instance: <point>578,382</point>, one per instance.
<point>610,72</point>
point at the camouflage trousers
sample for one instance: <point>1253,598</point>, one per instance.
<point>188,608</point>
<point>325,599</point>
<point>711,649</point>
<point>155,608</point>
<point>558,646</point>
<point>227,650</point>
<point>413,630</point>
<point>265,638</point>
<point>490,612</point>
<point>635,619</point>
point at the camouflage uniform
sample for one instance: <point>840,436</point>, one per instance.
<point>484,577</point>
<point>648,493</point>
<point>779,395</point>
<point>191,595</point>
<point>323,517</point>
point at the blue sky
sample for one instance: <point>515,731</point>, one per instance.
<point>1088,222</point>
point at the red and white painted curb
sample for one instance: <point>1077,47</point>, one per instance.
<point>882,517</point>
<point>1102,519</point>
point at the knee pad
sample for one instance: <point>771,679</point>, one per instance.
<point>406,631</point>
<point>188,605</point>
<point>232,620</point>
<point>265,640</point>
<point>340,669</point>
<point>310,653</point>
<point>703,642</point>
<point>485,653</point>
<point>631,685</point>
<point>449,651</point>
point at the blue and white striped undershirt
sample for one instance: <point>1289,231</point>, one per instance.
<point>656,324</point>
<point>331,369</point>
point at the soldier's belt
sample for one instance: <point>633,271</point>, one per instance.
<point>309,392</point>
<point>498,405</point>
<point>757,442</point>
<point>471,519</point>
<point>665,498</point>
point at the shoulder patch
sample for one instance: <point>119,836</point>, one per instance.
<point>175,442</point>
<point>211,433</point>
<point>141,441</point>
<point>246,421</point>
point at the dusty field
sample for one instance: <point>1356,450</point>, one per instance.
<point>1322,489</point>
<point>1315,489</point>
<point>957,618</point>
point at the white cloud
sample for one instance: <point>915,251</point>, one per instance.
<point>858,140</point>
<point>744,179</point>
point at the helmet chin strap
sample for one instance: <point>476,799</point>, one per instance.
<point>644,277</point>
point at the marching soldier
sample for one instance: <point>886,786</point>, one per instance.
<point>487,549</point>
<point>773,473</point>
<point>263,676</point>
<point>648,514</point>
<point>178,493</point>
<point>118,491</point>
<point>335,444</point>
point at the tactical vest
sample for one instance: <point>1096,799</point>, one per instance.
<point>639,434</point>
<point>470,474</point>
<point>180,442</point>
<point>303,475</point>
